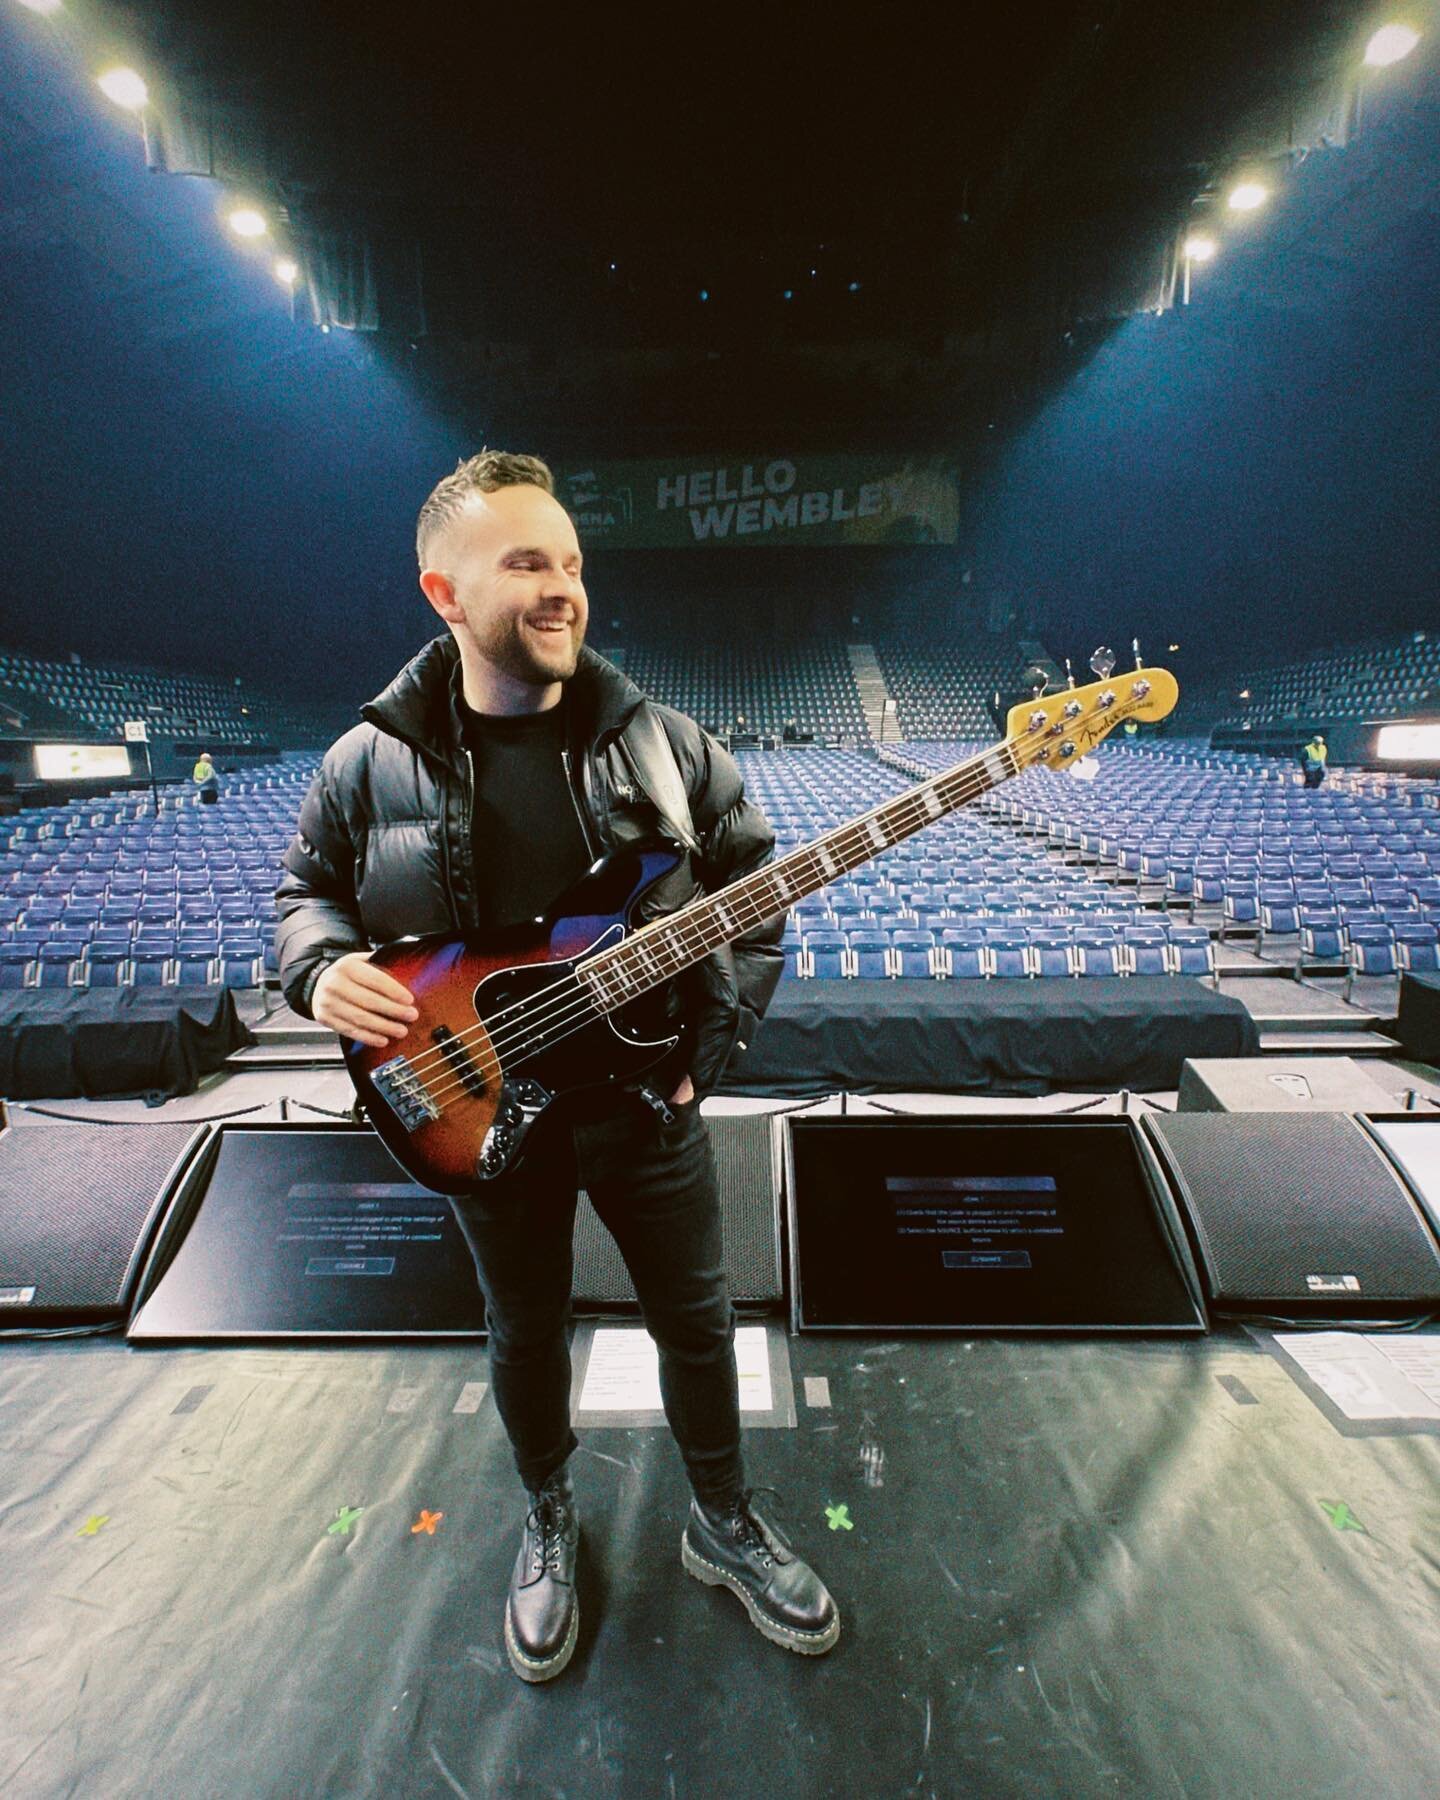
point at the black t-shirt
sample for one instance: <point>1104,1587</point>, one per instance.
<point>525,833</point>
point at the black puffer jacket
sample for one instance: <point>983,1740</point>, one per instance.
<point>383,848</point>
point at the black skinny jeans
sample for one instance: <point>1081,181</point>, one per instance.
<point>653,1186</point>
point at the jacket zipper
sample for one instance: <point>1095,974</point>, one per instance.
<point>445,844</point>
<point>575,800</point>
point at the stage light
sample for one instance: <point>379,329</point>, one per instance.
<point>1245,196</point>
<point>704,293</point>
<point>287,272</point>
<point>1389,44</point>
<point>46,8</point>
<point>854,287</point>
<point>1199,248</point>
<point>124,87</point>
<point>247,222</point>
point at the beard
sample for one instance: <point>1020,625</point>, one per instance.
<point>514,648</point>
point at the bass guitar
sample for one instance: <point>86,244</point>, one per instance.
<point>513,1022</point>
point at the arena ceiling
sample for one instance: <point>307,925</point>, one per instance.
<point>896,219</point>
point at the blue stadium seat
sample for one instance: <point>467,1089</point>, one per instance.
<point>1146,955</point>
<point>1008,957</point>
<point>913,953</point>
<point>1097,959</point>
<point>1192,952</point>
<point>825,954</point>
<point>15,967</point>
<point>1371,952</point>
<point>870,955</point>
<point>61,965</point>
<point>150,965</point>
<point>1050,954</point>
<point>1417,946</point>
<point>962,954</point>
<point>107,965</point>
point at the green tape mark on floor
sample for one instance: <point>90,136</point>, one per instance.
<point>1341,1517</point>
<point>345,1517</point>
<point>91,1527</point>
<point>839,1518</point>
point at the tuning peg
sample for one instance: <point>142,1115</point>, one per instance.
<point>1069,674</point>
<point>1103,661</point>
<point>1135,646</point>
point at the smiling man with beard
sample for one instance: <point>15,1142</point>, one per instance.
<point>482,784</point>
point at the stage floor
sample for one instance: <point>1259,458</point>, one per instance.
<point>1065,1566</point>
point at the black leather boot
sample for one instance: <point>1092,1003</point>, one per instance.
<point>542,1615</point>
<point>733,1546</point>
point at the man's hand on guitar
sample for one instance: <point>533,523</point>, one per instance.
<point>684,1093</point>
<point>361,1001</point>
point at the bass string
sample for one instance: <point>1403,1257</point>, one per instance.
<point>462,1040</point>
<point>572,1015</point>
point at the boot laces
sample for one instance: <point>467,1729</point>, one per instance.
<point>546,1522</point>
<point>748,1531</point>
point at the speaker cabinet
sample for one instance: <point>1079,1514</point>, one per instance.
<point>78,1202</point>
<point>747,1171</point>
<point>1298,1214</point>
<point>1254,1084</point>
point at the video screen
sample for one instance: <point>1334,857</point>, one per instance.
<point>1036,1225</point>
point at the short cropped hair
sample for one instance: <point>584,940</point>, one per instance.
<point>478,474</point>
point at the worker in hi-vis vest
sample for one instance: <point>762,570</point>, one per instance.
<point>205,778</point>
<point>1313,757</point>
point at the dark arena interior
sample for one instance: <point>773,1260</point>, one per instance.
<point>893,1248</point>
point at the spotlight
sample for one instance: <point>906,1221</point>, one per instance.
<point>124,87</point>
<point>247,222</point>
<point>1198,247</point>
<point>1389,44</point>
<point>46,8</point>
<point>287,271</point>
<point>1245,196</point>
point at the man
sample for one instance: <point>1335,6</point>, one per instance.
<point>1313,758</point>
<point>206,780</point>
<point>481,785</point>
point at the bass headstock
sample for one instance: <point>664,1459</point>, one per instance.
<point>1057,729</point>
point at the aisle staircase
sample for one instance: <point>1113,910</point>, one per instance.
<point>881,717</point>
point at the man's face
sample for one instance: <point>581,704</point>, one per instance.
<point>515,563</point>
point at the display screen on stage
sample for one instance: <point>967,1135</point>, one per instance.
<point>1414,1144</point>
<point>1034,1224</point>
<point>313,1231</point>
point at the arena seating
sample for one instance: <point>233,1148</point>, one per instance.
<point>93,701</point>
<point>1347,874</point>
<point>756,688</point>
<point>102,893</point>
<point>961,899</point>
<point>1134,872</point>
<point>1388,679</point>
<point>946,692</point>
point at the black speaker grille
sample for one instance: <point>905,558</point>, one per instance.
<point>1277,1197</point>
<point>73,1204</point>
<point>746,1180</point>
